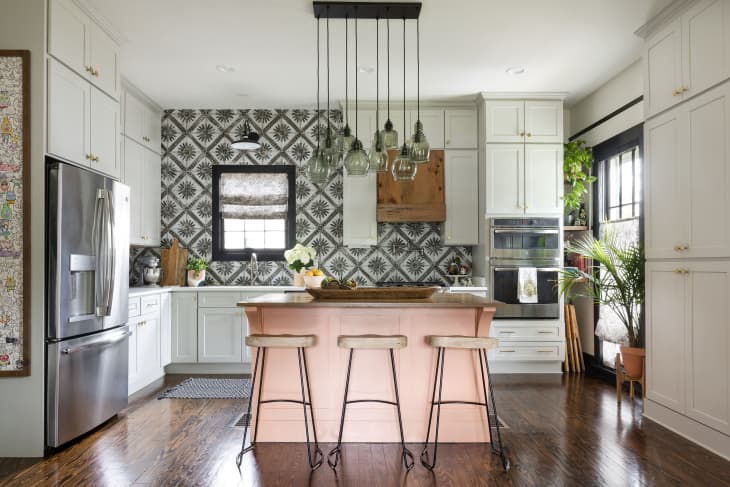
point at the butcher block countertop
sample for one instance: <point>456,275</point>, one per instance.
<point>438,300</point>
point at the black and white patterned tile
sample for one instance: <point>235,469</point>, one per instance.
<point>195,140</point>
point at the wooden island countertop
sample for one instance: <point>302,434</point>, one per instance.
<point>301,314</point>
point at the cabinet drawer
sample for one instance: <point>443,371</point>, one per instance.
<point>134,306</point>
<point>218,299</point>
<point>507,332</point>
<point>527,351</point>
<point>150,304</point>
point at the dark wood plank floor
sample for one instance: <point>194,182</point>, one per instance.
<point>562,431</point>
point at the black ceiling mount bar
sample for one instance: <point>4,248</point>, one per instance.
<point>367,10</point>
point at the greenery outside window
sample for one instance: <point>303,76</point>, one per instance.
<point>254,211</point>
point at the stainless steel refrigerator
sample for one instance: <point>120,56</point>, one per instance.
<point>87,279</point>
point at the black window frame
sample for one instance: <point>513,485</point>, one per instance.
<point>222,254</point>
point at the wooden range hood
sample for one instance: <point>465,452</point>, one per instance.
<point>421,200</point>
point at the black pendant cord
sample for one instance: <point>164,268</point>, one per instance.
<point>377,79</point>
<point>404,78</point>
<point>387,23</point>
<point>328,76</point>
<point>347,109</point>
<point>319,115</point>
<point>356,73</point>
<point>418,70</point>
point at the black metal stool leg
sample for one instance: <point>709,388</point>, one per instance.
<point>317,461</point>
<point>499,449</point>
<point>424,455</point>
<point>406,454</point>
<point>337,450</point>
<point>244,449</point>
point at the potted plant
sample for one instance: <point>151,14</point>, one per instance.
<point>196,267</point>
<point>300,257</point>
<point>614,279</point>
<point>577,164</point>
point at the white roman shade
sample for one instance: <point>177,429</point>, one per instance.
<point>254,196</point>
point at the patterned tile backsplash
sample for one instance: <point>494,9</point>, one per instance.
<point>195,140</point>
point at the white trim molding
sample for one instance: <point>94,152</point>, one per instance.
<point>666,14</point>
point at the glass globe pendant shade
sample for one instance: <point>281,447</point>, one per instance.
<point>317,169</point>
<point>344,141</point>
<point>390,136</point>
<point>357,162</point>
<point>329,152</point>
<point>404,169</point>
<point>378,155</point>
<point>419,148</point>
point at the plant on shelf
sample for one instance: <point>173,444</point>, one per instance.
<point>300,257</point>
<point>577,164</point>
<point>614,279</point>
<point>196,267</point>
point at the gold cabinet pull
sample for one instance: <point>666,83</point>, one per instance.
<point>506,332</point>
<point>88,156</point>
<point>529,134</point>
<point>506,350</point>
<point>544,350</point>
<point>676,92</point>
<point>95,72</point>
<point>684,88</point>
<point>545,332</point>
<point>522,134</point>
<point>89,69</point>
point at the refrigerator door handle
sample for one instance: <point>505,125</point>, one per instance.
<point>110,255</point>
<point>69,351</point>
<point>96,242</point>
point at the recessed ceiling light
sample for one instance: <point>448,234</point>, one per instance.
<point>516,70</point>
<point>365,69</point>
<point>224,68</point>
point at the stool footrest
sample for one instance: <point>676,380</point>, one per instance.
<point>293,401</point>
<point>473,403</point>
<point>381,401</point>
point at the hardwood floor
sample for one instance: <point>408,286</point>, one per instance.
<point>562,431</point>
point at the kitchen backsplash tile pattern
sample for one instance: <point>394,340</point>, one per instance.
<point>195,140</point>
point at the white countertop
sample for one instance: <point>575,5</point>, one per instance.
<point>461,289</point>
<point>142,290</point>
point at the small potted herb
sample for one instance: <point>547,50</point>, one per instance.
<point>196,267</point>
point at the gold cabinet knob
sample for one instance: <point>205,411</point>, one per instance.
<point>684,88</point>
<point>89,69</point>
<point>95,158</point>
<point>529,134</point>
<point>448,141</point>
<point>94,72</point>
<point>89,156</point>
<point>522,134</point>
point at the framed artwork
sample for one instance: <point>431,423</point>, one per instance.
<point>14,216</point>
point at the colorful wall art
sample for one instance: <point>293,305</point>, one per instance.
<point>14,229</point>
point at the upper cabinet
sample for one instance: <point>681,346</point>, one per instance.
<point>461,186</point>
<point>79,43</point>
<point>460,129</point>
<point>531,121</point>
<point>687,56</point>
<point>142,123</point>
<point>83,122</point>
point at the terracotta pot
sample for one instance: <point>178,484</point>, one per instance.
<point>633,359</point>
<point>299,278</point>
<point>195,278</point>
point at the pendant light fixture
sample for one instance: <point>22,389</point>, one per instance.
<point>345,139</point>
<point>419,148</point>
<point>357,162</point>
<point>329,151</point>
<point>378,156</point>
<point>249,141</point>
<point>404,169</point>
<point>390,135</point>
<point>317,170</point>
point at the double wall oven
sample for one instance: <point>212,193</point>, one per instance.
<point>525,243</point>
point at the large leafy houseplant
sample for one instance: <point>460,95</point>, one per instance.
<point>615,279</point>
<point>577,164</point>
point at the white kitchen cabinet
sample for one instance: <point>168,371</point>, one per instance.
<point>433,126</point>
<point>543,179</point>
<point>505,179</point>
<point>78,42</point>
<point>184,327</point>
<point>688,171</point>
<point>83,123</point>
<point>460,129</point>
<point>165,329</point>
<point>220,335</point>
<point>461,180</point>
<point>364,122</point>
<point>142,173</point>
<point>529,121</point>
<point>148,345</point>
<point>687,56</point>
<point>133,367</point>
<point>688,339</point>
<point>142,123</point>
<point>144,342</point>
<point>359,208</point>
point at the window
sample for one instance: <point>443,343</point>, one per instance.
<point>253,211</point>
<point>620,186</point>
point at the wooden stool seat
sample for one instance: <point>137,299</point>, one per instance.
<point>457,341</point>
<point>280,341</point>
<point>372,341</point>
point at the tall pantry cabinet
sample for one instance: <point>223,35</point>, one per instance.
<point>687,220</point>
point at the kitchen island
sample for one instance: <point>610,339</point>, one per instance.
<point>300,314</point>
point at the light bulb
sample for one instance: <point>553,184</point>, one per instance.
<point>357,162</point>
<point>344,141</point>
<point>378,155</point>
<point>420,150</point>
<point>390,136</point>
<point>404,169</point>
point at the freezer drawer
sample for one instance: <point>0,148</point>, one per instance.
<point>86,384</point>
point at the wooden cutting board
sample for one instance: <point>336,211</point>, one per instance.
<point>173,260</point>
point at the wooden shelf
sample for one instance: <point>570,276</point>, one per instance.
<point>575,229</point>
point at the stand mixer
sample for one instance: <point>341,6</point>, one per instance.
<point>151,271</point>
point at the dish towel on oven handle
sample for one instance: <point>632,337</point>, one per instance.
<point>527,285</point>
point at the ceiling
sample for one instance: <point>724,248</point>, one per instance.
<point>171,49</point>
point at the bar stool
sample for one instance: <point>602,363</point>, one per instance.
<point>481,345</point>
<point>262,343</point>
<point>380,342</point>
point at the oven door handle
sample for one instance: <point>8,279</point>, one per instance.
<point>539,269</point>
<point>541,231</point>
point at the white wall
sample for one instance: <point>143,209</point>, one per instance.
<point>21,399</point>
<point>615,93</point>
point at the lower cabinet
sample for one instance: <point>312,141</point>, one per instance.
<point>146,346</point>
<point>220,335</point>
<point>688,339</point>
<point>184,327</point>
<point>165,329</point>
